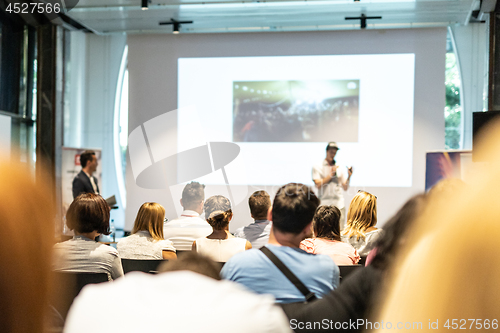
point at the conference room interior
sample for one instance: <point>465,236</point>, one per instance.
<point>106,76</point>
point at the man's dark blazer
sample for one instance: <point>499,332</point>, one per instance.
<point>81,184</point>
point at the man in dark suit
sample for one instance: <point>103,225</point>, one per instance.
<point>84,182</point>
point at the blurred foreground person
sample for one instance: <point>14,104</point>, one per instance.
<point>27,215</point>
<point>449,272</point>
<point>143,303</point>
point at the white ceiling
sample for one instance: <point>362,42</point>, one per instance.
<point>110,16</point>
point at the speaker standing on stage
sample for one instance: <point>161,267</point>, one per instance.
<point>84,182</point>
<point>331,180</point>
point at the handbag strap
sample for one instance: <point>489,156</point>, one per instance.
<point>289,275</point>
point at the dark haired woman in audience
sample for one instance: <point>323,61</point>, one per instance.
<point>357,296</point>
<point>146,241</point>
<point>360,230</point>
<point>326,228</point>
<point>220,245</point>
<point>88,217</point>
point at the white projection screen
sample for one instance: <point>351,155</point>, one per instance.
<point>379,94</point>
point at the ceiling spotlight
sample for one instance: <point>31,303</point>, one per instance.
<point>144,4</point>
<point>363,19</point>
<point>175,24</point>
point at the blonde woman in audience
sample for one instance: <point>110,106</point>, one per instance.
<point>326,229</point>
<point>88,217</point>
<point>220,245</point>
<point>146,241</point>
<point>27,215</point>
<point>360,230</point>
<point>449,272</point>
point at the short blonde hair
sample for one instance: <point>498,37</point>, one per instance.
<point>150,218</point>
<point>362,215</point>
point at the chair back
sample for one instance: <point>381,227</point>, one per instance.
<point>345,270</point>
<point>67,285</point>
<point>141,265</point>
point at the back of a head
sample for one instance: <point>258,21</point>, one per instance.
<point>326,223</point>
<point>27,215</point>
<point>259,203</point>
<point>88,212</point>
<point>192,195</point>
<point>396,231</point>
<point>150,218</point>
<point>362,215</point>
<point>194,262</point>
<point>86,156</point>
<point>293,208</point>
<point>218,211</point>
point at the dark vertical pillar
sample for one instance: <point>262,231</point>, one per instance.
<point>48,125</point>
<point>494,60</point>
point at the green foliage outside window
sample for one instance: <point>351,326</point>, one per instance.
<point>453,109</point>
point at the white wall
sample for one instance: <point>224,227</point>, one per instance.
<point>153,91</point>
<point>95,63</point>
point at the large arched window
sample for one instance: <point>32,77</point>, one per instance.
<point>453,110</point>
<point>121,126</point>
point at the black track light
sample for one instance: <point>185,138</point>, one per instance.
<point>175,24</point>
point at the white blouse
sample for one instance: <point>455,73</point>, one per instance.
<point>220,249</point>
<point>142,246</point>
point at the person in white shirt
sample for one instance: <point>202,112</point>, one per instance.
<point>179,300</point>
<point>220,245</point>
<point>332,180</point>
<point>183,230</point>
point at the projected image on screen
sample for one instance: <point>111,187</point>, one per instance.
<point>282,110</point>
<point>295,111</point>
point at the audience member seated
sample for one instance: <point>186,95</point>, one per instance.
<point>258,232</point>
<point>326,228</point>
<point>360,230</point>
<point>179,300</point>
<point>358,296</point>
<point>88,217</point>
<point>292,213</point>
<point>146,241</point>
<point>220,245</point>
<point>183,230</point>
<point>27,214</point>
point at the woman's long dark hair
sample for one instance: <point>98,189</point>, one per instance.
<point>395,231</point>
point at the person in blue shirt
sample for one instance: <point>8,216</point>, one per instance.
<point>292,212</point>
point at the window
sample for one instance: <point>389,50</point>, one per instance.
<point>453,125</point>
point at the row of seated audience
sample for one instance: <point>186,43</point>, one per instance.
<point>295,215</point>
<point>410,263</point>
